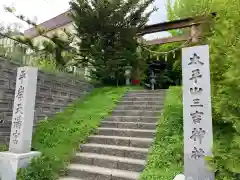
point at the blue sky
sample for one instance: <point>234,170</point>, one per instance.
<point>46,9</point>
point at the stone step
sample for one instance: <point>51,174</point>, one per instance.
<point>146,94</point>
<point>126,132</point>
<point>4,139</point>
<point>134,113</point>
<point>5,134</point>
<point>139,107</point>
<point>113,162</point>
<point>112,150</point>
<point>128,125</point>
<point>69,178</point>
<point>135,99</point>
<point>146,91</point>
<point>5,129</point>
<point>145,119</point>
<point>121,141</point>
<point>144,103</point>
<point>88,172</point>
<point>6,124</point>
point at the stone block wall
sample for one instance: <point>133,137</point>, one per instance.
<point>54,93</point>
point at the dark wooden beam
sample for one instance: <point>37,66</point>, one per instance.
<point>177,24</point>
<point>167,40</point>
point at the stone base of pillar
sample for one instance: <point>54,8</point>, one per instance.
<point>179,177</point>
<point>11,162</point>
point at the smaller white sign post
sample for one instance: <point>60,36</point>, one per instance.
<point>20,153</point>
<point>198,135</point>
<point>23,110</point>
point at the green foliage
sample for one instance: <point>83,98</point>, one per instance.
<point>52,45</point>
<point>59,137</point>
<point>194,8</point>
<point>47,64</point>
<point>224,51</point>
<point>14,53</point>
<point>165,158</point>
<point>107,30</point>
<point>3,147</point>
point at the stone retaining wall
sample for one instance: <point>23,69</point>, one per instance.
<point>54,93</point>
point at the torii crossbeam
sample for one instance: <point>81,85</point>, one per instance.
<point>194,23</point>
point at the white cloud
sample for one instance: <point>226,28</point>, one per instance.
<point>42,9</point>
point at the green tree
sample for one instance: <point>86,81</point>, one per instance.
<point>108,35</point>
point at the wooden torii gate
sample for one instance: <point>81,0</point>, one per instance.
<point>194,23</point>
<point>194,34</point>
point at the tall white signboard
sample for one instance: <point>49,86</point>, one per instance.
<point>198,136</point>
<point>23,110</point>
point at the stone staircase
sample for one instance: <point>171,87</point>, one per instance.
<point>119,149</point>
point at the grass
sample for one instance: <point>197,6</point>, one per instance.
<point>3,147</point>
<point>166,155</point>
<point>59,137</point>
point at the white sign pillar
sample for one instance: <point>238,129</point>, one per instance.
<point>20,154</point>
<point>198,135</point>
<point>23,110</point>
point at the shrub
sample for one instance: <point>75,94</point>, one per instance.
<point>59,137</point>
